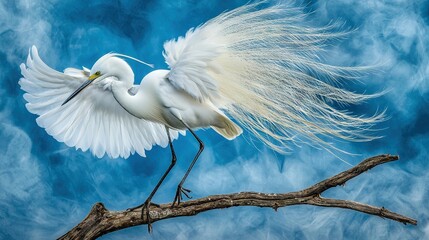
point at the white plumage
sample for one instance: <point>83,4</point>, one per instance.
<point>256,64</point>
<point>95,121</point>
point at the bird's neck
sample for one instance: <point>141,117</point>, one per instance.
<point>125,99</point>
<point>139,105</point>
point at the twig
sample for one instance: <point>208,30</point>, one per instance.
<point>101,221</point>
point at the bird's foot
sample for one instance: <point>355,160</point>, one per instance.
<point>146,210</point>
<point>181,190</point>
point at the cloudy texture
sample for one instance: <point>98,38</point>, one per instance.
<point>46,188</point>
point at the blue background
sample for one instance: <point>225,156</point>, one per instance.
<point>46,188</point>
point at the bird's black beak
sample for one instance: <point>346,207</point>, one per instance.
<point>83,86</point>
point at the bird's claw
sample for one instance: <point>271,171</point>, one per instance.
<point>186,192</point>
<point>146,209</point>
<point>181,190</point>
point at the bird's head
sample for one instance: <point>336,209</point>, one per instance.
<point>108,69</point>
<point>112,68</point>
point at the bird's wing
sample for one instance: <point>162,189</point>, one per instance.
<point>92,120</point>
<point>190,60</point>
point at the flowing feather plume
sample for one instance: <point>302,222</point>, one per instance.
<point>260,63</point>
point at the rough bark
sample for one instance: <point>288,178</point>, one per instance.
<point>101,221</point>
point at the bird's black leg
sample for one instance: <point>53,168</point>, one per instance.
<point>145,206</point>
<point>180,188</point>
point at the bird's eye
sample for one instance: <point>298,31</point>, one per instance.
<point>98,73</point>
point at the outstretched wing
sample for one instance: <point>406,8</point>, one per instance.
<point>93,120</point>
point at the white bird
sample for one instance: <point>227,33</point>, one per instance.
<point>254,64</point>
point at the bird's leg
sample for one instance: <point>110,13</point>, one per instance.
<point>145,206</point>
<point>180,188</point>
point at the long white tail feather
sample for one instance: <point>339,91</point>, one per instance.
<point>263,68</point>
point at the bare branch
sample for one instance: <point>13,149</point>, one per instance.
<point>101,221</point>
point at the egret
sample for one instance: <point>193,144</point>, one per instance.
<point>254,67</point>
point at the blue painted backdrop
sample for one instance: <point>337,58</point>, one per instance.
<point>46,188</point>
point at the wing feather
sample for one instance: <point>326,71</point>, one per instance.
<point>93,120</point>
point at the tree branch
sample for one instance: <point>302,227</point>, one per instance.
<point>101,221</point>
